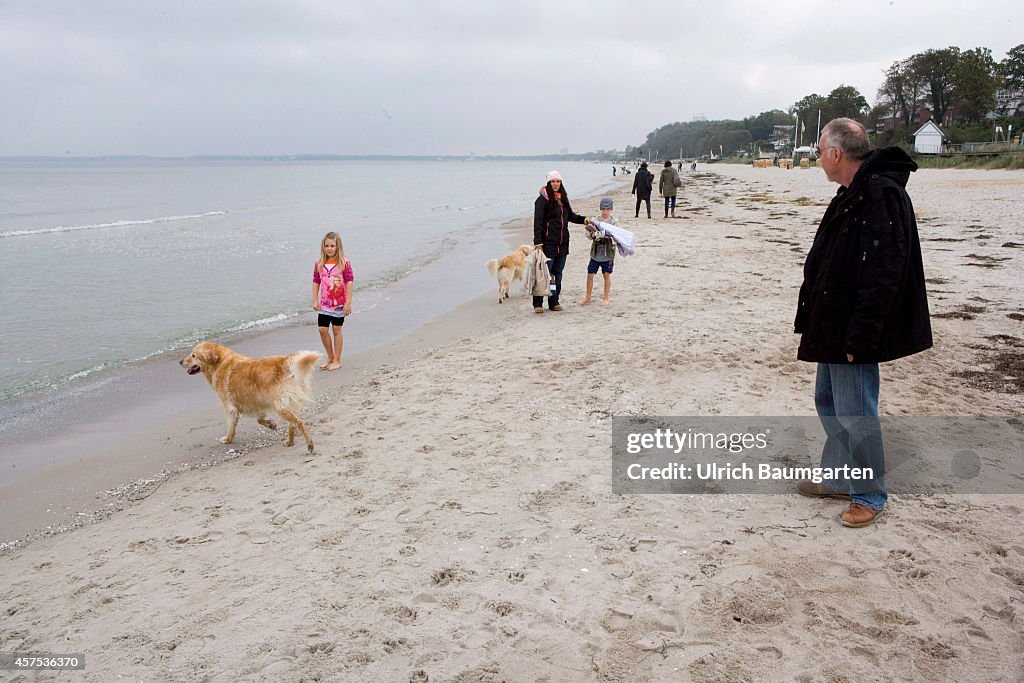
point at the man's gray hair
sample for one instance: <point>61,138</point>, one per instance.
<point>849,136</point>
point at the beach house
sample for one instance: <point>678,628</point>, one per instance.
<point>928,139</point>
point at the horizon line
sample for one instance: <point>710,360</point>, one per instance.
<point>282,157</point>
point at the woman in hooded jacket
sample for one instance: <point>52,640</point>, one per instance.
<point>551,217</point>
<point>667,187</point>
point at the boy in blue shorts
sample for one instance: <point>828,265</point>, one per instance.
<point>602,255</point>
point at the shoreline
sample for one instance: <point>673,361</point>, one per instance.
<point>123,448</point>
<point>113,338</point>
<point>458,520</point>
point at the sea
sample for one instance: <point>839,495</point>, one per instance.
<point>105,265</point>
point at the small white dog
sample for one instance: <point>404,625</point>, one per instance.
<point>508,268</point>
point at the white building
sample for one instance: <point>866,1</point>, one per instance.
<point>928,139</point>
<point>1008,103</point>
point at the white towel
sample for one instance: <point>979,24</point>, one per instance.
<point>624,239</point>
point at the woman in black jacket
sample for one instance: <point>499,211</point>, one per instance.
<point>642,186</point>
<point>551,217</point>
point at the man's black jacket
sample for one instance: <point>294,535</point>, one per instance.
<point>864,289</point>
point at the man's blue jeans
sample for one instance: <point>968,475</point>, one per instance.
<point>846,397</point>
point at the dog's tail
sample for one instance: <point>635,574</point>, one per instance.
<point>492,267</point>
<point>301,364</point>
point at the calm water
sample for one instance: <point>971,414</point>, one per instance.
<point>107,263</point>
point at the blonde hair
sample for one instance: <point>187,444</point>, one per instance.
<point>339,256</point>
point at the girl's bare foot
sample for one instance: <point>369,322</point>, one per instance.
<point>605,302</point>
<point>583,302</point>
<point>323,366</point>
<point>333,365</point>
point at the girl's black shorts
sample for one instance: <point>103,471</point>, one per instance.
<point>323,320</point>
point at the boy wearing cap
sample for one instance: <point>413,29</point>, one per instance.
<point>602,254</point>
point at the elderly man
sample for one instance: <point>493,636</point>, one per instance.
<point>862,302</point>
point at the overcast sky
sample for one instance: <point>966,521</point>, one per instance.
<point>342,77</point>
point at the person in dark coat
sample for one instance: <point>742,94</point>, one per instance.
<point>643,184</point>
<point>667,187</point>
<point>551,217</point>
<point>862,302</point>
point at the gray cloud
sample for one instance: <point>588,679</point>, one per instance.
<point>305,76</point>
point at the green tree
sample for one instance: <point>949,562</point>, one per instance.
<point>1011,71</point>
<point>809,104</point>
<point>878,114</point>
<point>732,140</point>
<point>806,110</point>
<point>937,68</point>
<point>902,90</point>
<point>844,101</point>
<point>975,84</point>
<point>760,126</point>
<point>695,138</point>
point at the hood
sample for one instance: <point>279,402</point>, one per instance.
<point>544,193</point>
<point>892,161</point>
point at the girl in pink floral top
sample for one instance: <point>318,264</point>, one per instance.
<point>332,296</point>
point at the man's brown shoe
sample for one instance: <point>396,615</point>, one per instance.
<point>857,516</point>
<point>556,307</point>
<point>809,488</point>
<point>538,310</point>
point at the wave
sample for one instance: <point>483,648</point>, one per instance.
<point>114,224</point>
<point>392,275</point>
<point>262,322</point>
<point>45,386</point>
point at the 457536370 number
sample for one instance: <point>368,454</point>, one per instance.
<point>33,661</point>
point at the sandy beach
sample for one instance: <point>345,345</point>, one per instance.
<point>457,521</point>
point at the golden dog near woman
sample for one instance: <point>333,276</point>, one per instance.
<point>508,268</point>
<point>256,386</point>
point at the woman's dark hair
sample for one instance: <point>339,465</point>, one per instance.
<point>551,194</point>
<point>668,163</point>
